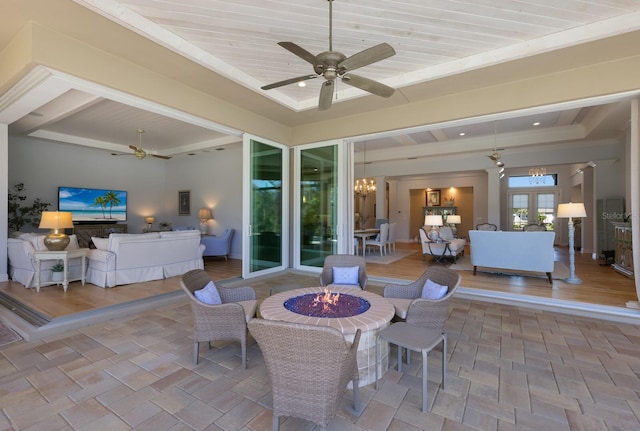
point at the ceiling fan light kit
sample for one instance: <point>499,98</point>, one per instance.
<point>332,65</point>
<point>139,152</point>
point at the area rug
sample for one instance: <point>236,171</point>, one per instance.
<point>389,257</point>
<point>560,270</point>
<point>7,335</point>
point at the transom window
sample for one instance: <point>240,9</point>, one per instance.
<point>549,180</point>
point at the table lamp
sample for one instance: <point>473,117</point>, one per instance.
<point>570,211</point>
<point>57,221</point>
<point>150,221</point>
<point>433,221</point>
<point>453,220</point>
<point>204,214</point>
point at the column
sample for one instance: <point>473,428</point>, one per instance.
<point>493,196</point>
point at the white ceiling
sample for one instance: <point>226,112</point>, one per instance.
<point>238,39</point>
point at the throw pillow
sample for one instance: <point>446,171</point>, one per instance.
<point>346,275</point>
<point>208,294</point>
<point>433,290</point>
<point>100,243</point>
<point>446,233</point>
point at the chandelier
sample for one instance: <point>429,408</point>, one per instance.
<point>537,175</point>
<point>364,187</point>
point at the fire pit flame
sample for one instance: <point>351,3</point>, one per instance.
<point>327,304</point>
<point>326,300</point>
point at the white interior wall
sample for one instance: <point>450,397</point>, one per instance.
<point>215,182</point>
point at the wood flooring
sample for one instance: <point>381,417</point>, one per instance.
<point>601,284</point>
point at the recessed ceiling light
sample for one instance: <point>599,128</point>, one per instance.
<point>302,84</point>
<point>461,133</point>
<point>537,123</point>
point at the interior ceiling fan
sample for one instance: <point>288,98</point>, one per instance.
<point>138,151</point>
<point>333,64</point>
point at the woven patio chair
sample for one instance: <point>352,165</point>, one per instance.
<point>226,321</point>
<point>402,295</point>
<point>343,260</point>
<point>309,368</point>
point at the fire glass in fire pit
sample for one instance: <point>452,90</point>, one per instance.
<point>327,304</point>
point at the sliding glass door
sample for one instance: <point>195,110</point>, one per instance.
<point>318,202</point>
<point>265,207</point>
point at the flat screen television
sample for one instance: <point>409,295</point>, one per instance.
<point>93,205</point>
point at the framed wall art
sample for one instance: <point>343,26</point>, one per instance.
<point>433,198</point>
<point>184,202</point>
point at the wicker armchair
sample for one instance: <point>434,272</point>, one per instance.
<point>309,368</point>
<point>343,260</point>
<point>226,321</point>
<point>402,296</point>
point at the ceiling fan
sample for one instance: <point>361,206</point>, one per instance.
<point>333,64</point>
<point>496,159</point>
<point>138,151</point>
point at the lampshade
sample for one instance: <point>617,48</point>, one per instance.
<point>55,220</point>
<point>571,210</point>
<point>150,220</point>
<point>205,214</point>
<point>433,220</point>
<point>454,219</point>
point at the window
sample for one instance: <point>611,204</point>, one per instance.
<point>549,180</point>
<point>531,207</point>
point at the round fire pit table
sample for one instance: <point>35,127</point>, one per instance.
<point>377,316</point>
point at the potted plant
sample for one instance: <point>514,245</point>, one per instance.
<point>56,272</point>
<point>19,214</point>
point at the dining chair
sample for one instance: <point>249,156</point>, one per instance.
<point>486,226</point>
<point>381,240</point>
<point>391,239</point>
<point>534,227</point>
<point>309,368</point>
<point>225,321</point>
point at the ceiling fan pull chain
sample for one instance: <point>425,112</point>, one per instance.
<point>330,25</point>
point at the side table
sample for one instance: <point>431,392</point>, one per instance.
<point>64,256</point>
<point>436,258</point>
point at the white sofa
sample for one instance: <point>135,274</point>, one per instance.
<point>135,258</point>
<point>437,249</point>
<point>22,263</point>
<point>520,251</point>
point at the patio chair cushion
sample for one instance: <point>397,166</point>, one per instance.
<point>433,290</point>
<point>249,307</point>
<point>346,275</point>
<point>401,306</point>
<point>208,294</point>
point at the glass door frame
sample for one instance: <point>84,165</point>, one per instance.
<point>344,200</point>
<point>246,206</point>
<point>532,193</point>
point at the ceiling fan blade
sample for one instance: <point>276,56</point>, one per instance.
<point>366,84</point>
<point>326,96</point>
<point>300,52</point>
<point>288,81</point>
<point>133,147</point>
<point>161,157</point>
<point>366,57</point>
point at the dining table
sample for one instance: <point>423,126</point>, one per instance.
<point>361,236</point>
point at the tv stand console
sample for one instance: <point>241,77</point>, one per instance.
<point>84,232</point>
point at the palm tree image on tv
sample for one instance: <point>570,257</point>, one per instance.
<point>93,205</point>
<point>109,199</point>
